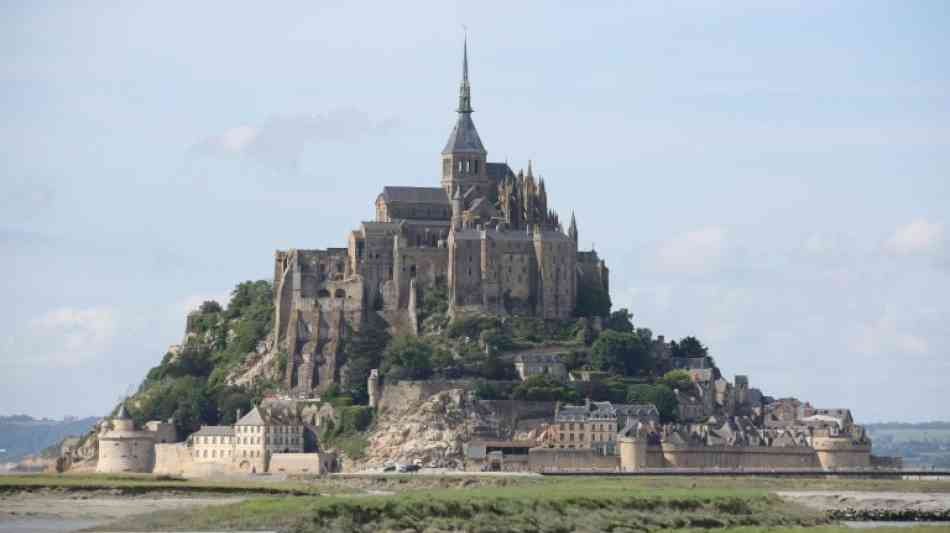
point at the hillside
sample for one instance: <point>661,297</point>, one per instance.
<point>21,435</point>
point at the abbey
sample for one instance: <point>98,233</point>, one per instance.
<point>485,235</point>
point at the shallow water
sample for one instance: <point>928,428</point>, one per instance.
<point>871,525</point>
<point>44,525</point>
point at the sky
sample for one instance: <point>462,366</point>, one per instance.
<point>772,177</point>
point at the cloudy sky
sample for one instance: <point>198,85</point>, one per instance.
<point>771,177</point>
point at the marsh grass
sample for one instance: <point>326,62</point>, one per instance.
<point>590,504</point>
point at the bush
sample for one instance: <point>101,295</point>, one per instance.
<point>487,391</point>
<point>543,388</point>
<point>677,379</point>
<point>472,326</point>
<point>408,357</point>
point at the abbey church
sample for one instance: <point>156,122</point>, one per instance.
<point>485,235</point>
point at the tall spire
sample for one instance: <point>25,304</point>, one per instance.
<point>465,90</point>
<point>572,231</point>
<point>464,138</point>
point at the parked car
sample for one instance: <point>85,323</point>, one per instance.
<point>389,468</point>
<point>409,468</point>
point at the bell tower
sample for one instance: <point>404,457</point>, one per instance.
<point>464,156</point>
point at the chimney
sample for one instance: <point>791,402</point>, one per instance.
<point>237,415</point>
<point>587,403</point>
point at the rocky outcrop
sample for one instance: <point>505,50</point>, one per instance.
<point>430,431</point>
<point>261,364</point>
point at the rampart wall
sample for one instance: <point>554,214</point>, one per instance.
<point>301,463</point>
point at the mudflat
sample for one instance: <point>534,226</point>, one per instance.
<point>98,506</point>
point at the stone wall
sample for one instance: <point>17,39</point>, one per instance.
<point>173,460</point>
<point>129,453</point>
<point>571,459</point>
<point>302,463</point>
<point>838,452</point>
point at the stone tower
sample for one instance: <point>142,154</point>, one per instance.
<point>464,159</point>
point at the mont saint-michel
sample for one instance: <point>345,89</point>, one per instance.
<point>461,329</point>
<point>479,267</point>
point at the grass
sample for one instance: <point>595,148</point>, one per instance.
<point>483,503</point>
<point>576,504</point>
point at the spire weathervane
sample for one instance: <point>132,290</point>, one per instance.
<point>465,91</point>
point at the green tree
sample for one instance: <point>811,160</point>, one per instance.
<point>660,395</point>
<point>496,368</point>
<point>689,347</point>
<point>621,353</point>
<point>592,300</point>
<point>363,351</point>
<point>620,320</point>
<point>677,379</point>
<point>487,391</point>
<point>408,357</point>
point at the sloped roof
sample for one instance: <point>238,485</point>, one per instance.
<point>537,358</point>
<point>416,195</point>
<point>498,171</point>
<point>253,418</point>
<point>464,137</point>
<point>215,431</point>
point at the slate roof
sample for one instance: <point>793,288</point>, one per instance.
<point>273,414</point>
<point>498,171</point>
<point>637,410</point>
<point>253,418</point>
<point>538,358</point>
<point>416,195</point>
<point>214,431</point>
<point>464,137</point>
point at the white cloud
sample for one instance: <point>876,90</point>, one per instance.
<point>65,336</point>
<point>238,139</point>
<point>693,252</point>
<point>919,237</point>
<point>885,336</point>
<point>280,141</point>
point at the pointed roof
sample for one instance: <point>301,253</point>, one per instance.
<point>123,414</point>
<point>464,137</point>
<point>253,418</point>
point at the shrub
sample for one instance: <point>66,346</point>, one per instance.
<point>472,326</point>
<point>408,357</point>
<point>677,379</point>
<point>544,388</point>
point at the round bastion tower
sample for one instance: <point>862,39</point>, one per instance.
<point>122,448</point>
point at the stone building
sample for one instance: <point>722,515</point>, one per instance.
<point>250,443</point>
<point>540,364</point>
<point>594,425</point>
<point>485,234</point>
<point>122,448</point>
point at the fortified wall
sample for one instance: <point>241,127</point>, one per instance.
<point>637,454</point>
